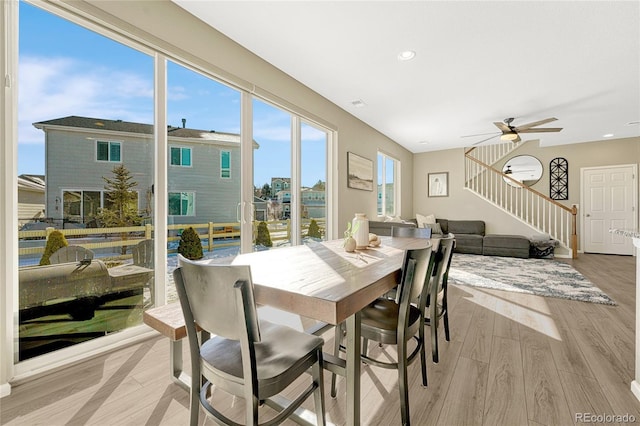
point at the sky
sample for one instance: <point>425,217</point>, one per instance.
<point>65,69</point>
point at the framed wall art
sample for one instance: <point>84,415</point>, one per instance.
<point>359,172</point>
<point>438,184</point>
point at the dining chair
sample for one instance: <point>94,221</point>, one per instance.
<point>396,323</point>
<point>245,356</point>
<point>436,305</point>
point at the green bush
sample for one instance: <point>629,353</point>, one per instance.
<point>190,245</point>
<point>314,230</point>
<point>55,241</point>
<point>263,238</point>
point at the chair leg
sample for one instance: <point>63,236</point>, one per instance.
<point>434,340</point>
<point>423,357</point>
<point>194,406</point>
<point>403,384</point>
<point>337,340</point>
<point>446,326</point>
<point>318,394</point>
<point>365,346</point>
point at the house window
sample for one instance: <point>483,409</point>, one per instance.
<point>388,185</point>
<point>108,151</point>
<point>225,164</point>
<point>180,156</point>
<point>182,203</point>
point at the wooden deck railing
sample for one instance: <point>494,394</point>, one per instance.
<point>208,232</point>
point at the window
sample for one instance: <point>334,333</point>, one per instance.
<point>180,156</point>
<point>225,164</point>
<point>182,203</point>
<point>108,151</point>
<point>388,185</point>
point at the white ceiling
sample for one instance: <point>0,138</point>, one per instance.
<point>476,62</point>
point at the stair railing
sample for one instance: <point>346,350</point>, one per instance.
<point>528,205</point>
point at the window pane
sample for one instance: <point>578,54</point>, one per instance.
<point>115,152</point>
<point>175,156</point>
<point>87,101</point>
<point>224,159</point>
<point>103,151</point>
<point>313,189</point>
<point>186,157</point>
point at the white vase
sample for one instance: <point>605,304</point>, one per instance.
<point>361,225</point>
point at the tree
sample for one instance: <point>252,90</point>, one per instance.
<point>266,191</point>
<point>55,241</point>
<point>121,208</point>
<point>314,230</point>
<point>319,186</point>
<point>263,238</point>
<point>190,245</point>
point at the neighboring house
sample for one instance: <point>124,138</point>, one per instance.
<point>283,198</point>
<point>203,169</point>
<point>279,184</point>
<point>314,203</point>
<point>31,190</point>
<point>259,209</point>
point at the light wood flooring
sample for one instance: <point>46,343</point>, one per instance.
<point>513,359</point>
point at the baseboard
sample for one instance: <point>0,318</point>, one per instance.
<point>5,390</point>
<point>635,388</point>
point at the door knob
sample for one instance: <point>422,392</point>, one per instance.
<point>588,215</point>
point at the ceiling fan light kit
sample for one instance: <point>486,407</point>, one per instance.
<point>512,133</point>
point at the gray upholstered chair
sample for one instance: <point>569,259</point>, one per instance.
<point>389,322</point>
<point>71,254</point>
<point>245,356</point>
<point>436,306</point>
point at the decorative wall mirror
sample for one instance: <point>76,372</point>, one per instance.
<point>523,168</point>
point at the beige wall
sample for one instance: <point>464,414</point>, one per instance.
<point>462,204</point>
<point>165,24</point>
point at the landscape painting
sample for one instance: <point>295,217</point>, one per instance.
<point>360,172</point>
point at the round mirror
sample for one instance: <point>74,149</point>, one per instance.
<point>523,168</point>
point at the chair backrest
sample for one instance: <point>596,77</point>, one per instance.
<point>404,231</point>
<point>445,254</point>
<point>417,268</point>
<point>218,298</point>
<point>71,254</point>
<point>143,254</point>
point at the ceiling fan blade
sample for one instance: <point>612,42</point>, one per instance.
<point>480,134</point>
<point>542,130</point>
<point>502,126</point>
<point>535,123</point>
<point>484,140</point>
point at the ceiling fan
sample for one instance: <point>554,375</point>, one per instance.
<point>512,133</point>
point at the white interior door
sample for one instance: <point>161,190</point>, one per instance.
<point>609,202</point>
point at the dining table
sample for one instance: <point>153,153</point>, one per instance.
<point>322,281</point>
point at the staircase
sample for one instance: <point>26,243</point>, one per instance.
<point>527,205</point>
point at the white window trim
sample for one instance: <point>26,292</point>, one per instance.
<point>97,141</point>
<point>180,148</point>
<point>396,184</point>
<point>225,168</point>
<point>182,192</point>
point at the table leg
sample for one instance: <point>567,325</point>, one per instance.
<point>175,363</point>
<point>353,369</point>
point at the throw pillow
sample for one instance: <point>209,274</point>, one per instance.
<point>393,219</point>
<point>435,228</point>
<point>425,220</point>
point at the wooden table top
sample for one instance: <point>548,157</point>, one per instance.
<point>322,281</point>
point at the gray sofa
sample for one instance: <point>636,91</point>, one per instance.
<point>470,237</point>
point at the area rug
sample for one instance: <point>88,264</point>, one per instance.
<point>542,277</point>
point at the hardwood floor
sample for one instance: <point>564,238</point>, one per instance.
<point>513,359</point>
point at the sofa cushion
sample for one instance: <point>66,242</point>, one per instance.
<point>444,224</point>
<point>506,245</point>
<point>384,228</point>
<point>475,227</point>
<point>468,243</point>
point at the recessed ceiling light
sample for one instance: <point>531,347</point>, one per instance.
<point>406,55</point>
<point>633,123</point>
<point>423,142</point>
<point>608,135</point>
<point>357,103</point>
